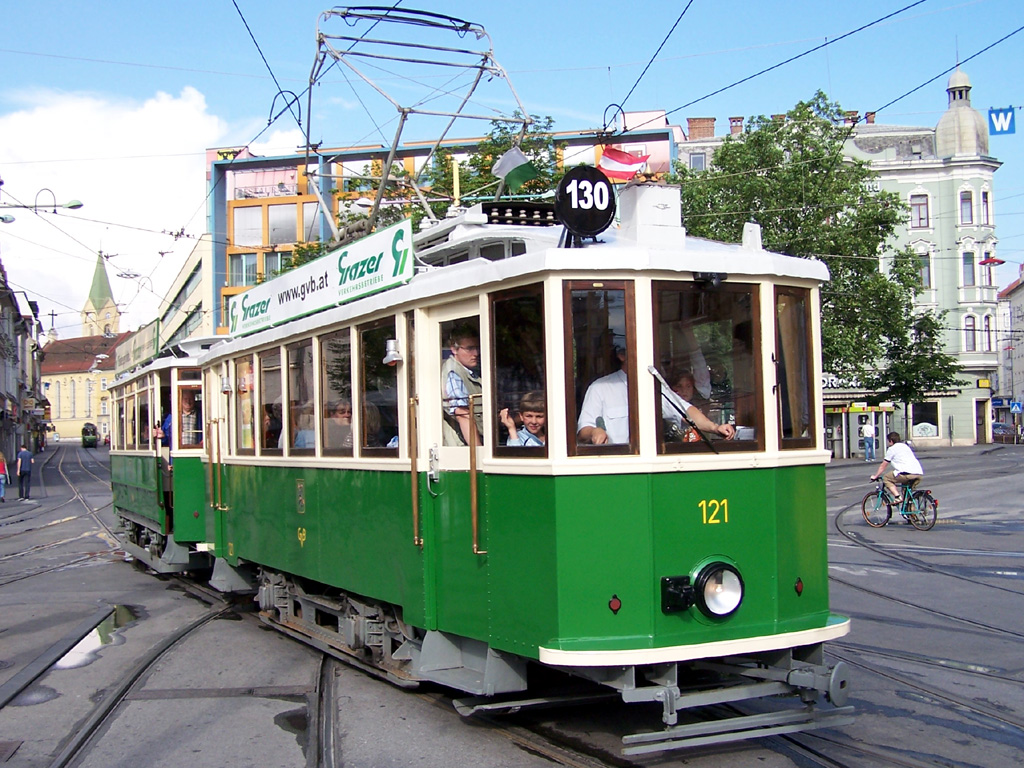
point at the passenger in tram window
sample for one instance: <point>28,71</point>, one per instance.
<point>272,425</point>
<point>191,420</point>
<point>684,384</point>
<point>677,429</point>
<point>304,436</point>
<point>371,426</point>
<point>339,425</point>
<point>533,412</point>
<point>460,378</point>
<point>604,418</point>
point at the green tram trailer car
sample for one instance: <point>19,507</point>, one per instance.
<point>157,467</point>
<point>343,482</point>
<point>90,435</point>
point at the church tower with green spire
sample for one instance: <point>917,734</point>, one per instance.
<point>100,315</point>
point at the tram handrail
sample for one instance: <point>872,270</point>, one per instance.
<point>417,540</point>
<point>474,506</point>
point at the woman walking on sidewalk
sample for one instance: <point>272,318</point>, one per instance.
<point>5,477</point>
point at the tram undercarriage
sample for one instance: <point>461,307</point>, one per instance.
<point>158,552</point>
<point>373,637</point>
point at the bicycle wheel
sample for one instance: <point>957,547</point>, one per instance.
<point>925,511</point>
<point>876,509</point>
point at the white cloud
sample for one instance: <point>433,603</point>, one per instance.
<point>139,169</point>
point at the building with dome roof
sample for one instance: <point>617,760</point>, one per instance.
<point>945,175</point>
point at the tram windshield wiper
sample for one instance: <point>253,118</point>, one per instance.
<point>677,403</point>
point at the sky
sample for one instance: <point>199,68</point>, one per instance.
<point>115,103</point>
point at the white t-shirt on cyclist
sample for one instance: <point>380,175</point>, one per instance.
<point>902,460</point>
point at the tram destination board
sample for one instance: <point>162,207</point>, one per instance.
<point>585,201</point>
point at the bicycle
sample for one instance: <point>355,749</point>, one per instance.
<point>919,508</point>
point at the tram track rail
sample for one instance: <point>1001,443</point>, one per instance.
<point>115,696</point>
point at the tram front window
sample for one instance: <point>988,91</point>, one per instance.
<point>705,348</point>
<point>520,400</point>
<point>602,373</point>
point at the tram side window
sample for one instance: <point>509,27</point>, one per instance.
<point>461,385</point>
<point>601,377</point>
<point>271,412</point>
<point>118,436</point>
<point>378,391</point>
<point>520,400</point>
<point>792,370</point>
<point>244,406</point>
<point>145,421</point>
<point>705,348</point>
<point>301,412</point>
<point>133,431</point>
<point>336,393</point>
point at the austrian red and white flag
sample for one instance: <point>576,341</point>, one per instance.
<point>617,164</point>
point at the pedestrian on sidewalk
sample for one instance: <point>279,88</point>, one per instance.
<point>867,431</point>
<point>25,462</point>
<point>5,477</point>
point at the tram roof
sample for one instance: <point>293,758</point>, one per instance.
<point>646,248</point>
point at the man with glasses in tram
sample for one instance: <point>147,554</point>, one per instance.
<point>460,378</point>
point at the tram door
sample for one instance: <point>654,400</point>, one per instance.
<point>454,524</point>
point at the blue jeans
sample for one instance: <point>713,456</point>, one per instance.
<point>24,485</point>
<point>869,449</point>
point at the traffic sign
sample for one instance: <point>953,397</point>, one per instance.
<point>1015,407</point>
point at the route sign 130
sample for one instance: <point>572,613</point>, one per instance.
<point>585,201</point>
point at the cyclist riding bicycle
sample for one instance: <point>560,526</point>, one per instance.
<point>906,469</point>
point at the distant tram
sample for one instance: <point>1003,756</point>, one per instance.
<point>401,519</point>
<point>90,435</point>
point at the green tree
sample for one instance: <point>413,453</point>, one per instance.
<point>475,177</point>
<point>789,174</point>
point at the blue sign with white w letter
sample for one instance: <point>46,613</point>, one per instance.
<point>1000,121</point>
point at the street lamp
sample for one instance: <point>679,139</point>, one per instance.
<point>72,205</point>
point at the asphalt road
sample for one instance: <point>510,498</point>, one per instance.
<point>934,650</point>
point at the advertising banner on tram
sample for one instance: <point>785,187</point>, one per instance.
<point>375,263</point>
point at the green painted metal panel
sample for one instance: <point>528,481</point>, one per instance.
<point>189,480</point>
<point>522,561</point>
<point>137,487</point>
<point>354,530</point>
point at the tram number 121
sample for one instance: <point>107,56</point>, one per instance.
<point>714,511</point>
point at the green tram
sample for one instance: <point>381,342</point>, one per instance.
<point>642,552</point>
<point>158,479</point>
<point>90,435</point>
<point>589,529</point>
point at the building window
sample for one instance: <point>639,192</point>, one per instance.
<point>968,269</point>
<point>698,161</point>
<point>310,222</point>
<point>970,335</point>
<point>282,222</point>
<point>925,269</point>
<point>248,226</point>
<point>242,269</point>
<point>986,217</point>
<point>272,264</point>
<point>988,333</point>
<point>987,278</point>
<point>966,207</point>
<point>919,211</point>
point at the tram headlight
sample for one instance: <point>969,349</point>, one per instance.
<point>719,589</point>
